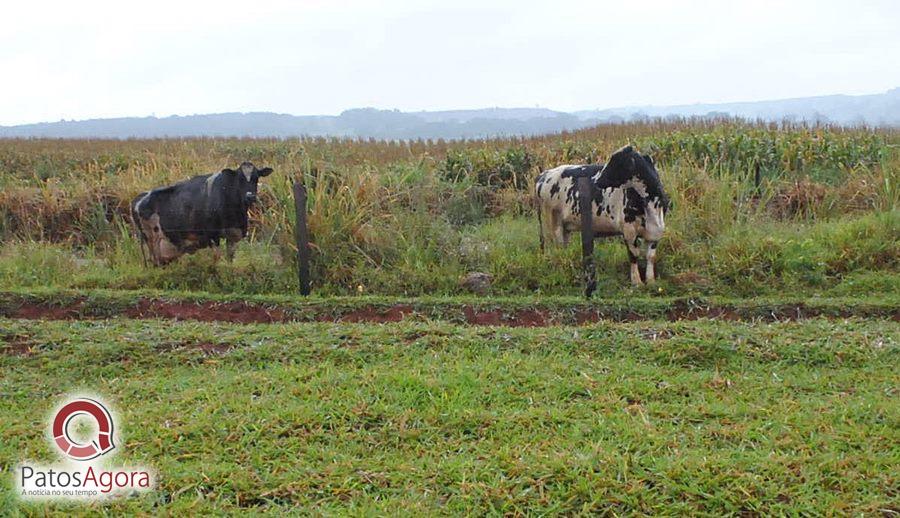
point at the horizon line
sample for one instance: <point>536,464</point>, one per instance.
<point>443,110</point>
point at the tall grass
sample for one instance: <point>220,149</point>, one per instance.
<point>756,208</point>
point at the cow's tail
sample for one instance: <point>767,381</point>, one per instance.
<point>136,221</point>
<point>537,208</point>
<point>537,205</point>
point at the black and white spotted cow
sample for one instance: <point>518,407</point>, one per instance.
<point>196,213</point>
<point>629,200</point>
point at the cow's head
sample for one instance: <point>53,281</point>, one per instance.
<point>626,167</point>
<point>653,173</point>
<point>247,178</point>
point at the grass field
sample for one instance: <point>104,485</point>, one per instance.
<point>757,377</point>
<point>649,416</point>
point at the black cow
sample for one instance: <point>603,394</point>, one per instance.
<point>196,213</point>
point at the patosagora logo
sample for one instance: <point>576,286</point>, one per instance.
<point>101,444</point>
<point>82,430</point>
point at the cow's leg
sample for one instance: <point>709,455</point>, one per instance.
<point>633,244</point>
<point>216,250</point>
<point>168,252</point>
<point>556,225</point>
<point>651,261</point>
<point>232,238</point>
<point>154,236</point>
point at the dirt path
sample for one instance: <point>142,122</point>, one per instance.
<point>469,314</point>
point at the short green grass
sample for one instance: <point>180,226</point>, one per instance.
<point>417,418</point>
<point>851,256</point>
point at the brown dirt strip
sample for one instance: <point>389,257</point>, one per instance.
<point>248,313</point>
<point>19,345</point>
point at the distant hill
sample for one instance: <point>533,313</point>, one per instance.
<point>877,110</point>
<point>874,110</point>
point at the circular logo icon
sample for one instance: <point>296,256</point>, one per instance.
<point>100,444</point>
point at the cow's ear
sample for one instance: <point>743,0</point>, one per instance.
<point>228,171</point>
<point>649,159</point>
<point>265,171</point>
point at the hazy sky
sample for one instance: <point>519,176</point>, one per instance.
<point>86,59</point>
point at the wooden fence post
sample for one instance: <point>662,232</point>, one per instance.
<point>301,233</point>
<point>585,205</point>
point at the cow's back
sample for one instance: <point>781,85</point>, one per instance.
<point>554,189</point>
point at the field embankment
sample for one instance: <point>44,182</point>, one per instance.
<point>512,312</point>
